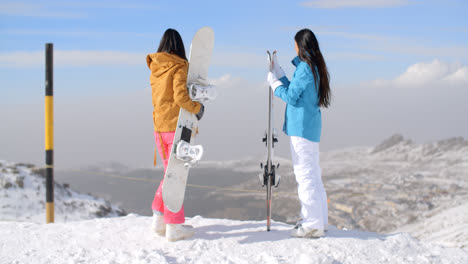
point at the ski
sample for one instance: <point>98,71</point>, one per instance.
<point>269,178</point>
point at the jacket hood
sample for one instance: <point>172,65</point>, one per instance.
<point>161,62</point>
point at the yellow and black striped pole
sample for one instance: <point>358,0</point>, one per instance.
<point>49,131</point>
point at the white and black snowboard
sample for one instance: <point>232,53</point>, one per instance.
<point>184,154</point>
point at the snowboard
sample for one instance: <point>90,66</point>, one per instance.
<point>184,154</point>
<point>269,177</point>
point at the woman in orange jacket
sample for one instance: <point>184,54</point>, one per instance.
<point>168,80</point>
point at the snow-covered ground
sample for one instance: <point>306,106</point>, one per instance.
<point>22,198</point>
<point>448,228</point>
<point>391,185</point>
<point>129,240</point>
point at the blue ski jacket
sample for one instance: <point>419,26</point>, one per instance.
<point>303,117</point>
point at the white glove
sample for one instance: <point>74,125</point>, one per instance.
<point>277,70</point>
<point>273,81</point>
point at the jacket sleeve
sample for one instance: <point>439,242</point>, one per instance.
<point>181,96</point>
<point>291,91</point>
<point>285,81</point>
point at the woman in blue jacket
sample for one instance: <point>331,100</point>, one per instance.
<point>307,91</point>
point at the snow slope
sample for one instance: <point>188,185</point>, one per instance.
<point>448,228</point>
<point>22,198</point>
<point>379,189</point>
<point>129,240</point>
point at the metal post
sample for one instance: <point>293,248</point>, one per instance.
<point>49,131</point>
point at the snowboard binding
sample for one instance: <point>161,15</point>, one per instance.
<point>188,153</point>
<point>202,93</point>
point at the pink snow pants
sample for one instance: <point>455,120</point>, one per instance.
<point>164,142</point>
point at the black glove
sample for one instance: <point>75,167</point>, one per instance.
<point>201,112</point>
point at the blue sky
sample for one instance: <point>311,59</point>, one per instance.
<point>100,47</point>
<point>375,39</point>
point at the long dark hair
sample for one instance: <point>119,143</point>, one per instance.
<point>172,43</point>
<point>309,51</point>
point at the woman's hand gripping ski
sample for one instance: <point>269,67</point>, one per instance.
<point>275,73</point>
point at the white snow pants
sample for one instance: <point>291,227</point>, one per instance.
<point>305,157</point>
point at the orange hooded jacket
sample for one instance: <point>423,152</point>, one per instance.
<point>169,90</point>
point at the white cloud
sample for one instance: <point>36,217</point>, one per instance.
<point>93,34</point>
<point>338,32</point>
<point>459,76</point>
<point>413,47</point>
<point>353,56</point>
<point>348,35</point>
<point>84,58</point>
<point>35,10</point>
<point>221,81</point>
<point>25,59</point>
<point>64,9</point>
<point>354,3</point>
<point>435,73</point>
<point>391,44</point>
<point>107,5</point>
<point>240,59</point>
<point>422,73</point>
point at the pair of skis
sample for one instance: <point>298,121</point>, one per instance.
<point>269,177</point>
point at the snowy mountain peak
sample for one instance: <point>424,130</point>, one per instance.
<point>390,142</point>
<point>453,143</point>
<point>397,147</point>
